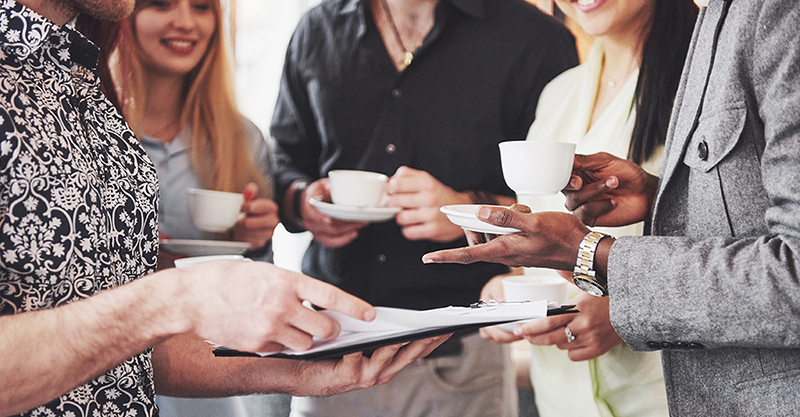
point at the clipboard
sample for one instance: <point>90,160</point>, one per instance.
<point>393,326</point>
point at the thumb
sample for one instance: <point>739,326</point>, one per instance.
<point>501,216</point>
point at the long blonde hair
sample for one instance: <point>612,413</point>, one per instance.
<point>219,133</point>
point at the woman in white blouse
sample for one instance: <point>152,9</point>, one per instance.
<point>617,101</point>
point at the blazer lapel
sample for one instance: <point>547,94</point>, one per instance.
<point>689,97</point>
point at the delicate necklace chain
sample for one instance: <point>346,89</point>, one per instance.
<point>408,56</point>
<point>611,82</point>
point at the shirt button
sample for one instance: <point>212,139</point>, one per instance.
<point>667,345</point>
<point>654,345</point>
<point>390,148</point>
<point>681,345</point>
<point>381,258</point>
<point>397,93</point>
<point>702,150</point>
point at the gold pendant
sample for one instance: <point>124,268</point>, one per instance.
<point>407,58</point>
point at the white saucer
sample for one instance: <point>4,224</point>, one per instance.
<point>361,214</point>
<point>464,215</point>
<point>196,247</point>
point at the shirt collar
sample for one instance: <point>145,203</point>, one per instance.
<point>23,32</point>
<point>474,8</point>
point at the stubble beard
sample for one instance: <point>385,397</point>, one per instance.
<point>112,10</point>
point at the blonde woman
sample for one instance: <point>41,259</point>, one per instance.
<point>173,79</point>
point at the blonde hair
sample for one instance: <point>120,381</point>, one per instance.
<point>219,134</point>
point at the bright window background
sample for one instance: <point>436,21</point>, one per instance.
<point>263,29</point>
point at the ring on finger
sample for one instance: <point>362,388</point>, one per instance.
<point>568,332</point>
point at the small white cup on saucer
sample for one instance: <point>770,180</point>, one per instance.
<point>533,288</point>
<point>358,188</point>
<point>536,167</point>
<point>195,260</point>
<point>214,211</point>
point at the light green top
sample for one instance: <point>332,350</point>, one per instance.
<point>621,383</point>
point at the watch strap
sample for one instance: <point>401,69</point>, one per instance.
<point>584,275</point>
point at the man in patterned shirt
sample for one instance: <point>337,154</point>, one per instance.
<point>86,328</point>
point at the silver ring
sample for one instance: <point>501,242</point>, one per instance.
<point>568,332</point>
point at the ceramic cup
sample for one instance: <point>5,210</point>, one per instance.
<point>533,288</point>
<point>536,167</point>
<point>214,211</point>
<point>358,188</point>
<point>187,262</point>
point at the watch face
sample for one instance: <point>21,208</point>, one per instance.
<point>589,286</point>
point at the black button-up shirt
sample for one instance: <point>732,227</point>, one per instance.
<point>342,104</point>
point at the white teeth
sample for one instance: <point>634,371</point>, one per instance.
<point>586,2</point>
<point>180,43</point>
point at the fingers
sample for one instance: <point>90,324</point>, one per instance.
<point>466,255</point>
<point>590,192</point>
<point>498,335</point>
<point>250,191</point>
<point>327,296</point>
<point>592,162</point>
<point>393,361</point>
<point>520,208</point>
<point>542,326</point>
<point>500,216</point>
<point>408,180</point>
<point>575,183</point>
<point>591,212</point>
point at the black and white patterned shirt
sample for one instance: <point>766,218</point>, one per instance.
<point>78,197</point>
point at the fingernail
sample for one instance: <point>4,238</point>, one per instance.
<point>611,182</point>
<point>517,331</point>
<point>483,213</point>
<point>426,260</point>
<point>573,182</point>
<point>369,315</point>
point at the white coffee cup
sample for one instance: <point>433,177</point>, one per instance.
<point>358,188</point>
<point>533,288</point>
<point>536,167</point>
<point>192,261</point>
<point>214,211</point>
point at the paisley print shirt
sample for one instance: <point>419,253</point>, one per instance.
<point>78,197</point>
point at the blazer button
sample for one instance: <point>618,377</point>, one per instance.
<point>667,345</point>
<point>696,346</point>
<point>654,345</point>
<point>702,150</point>
<point>681,345</point>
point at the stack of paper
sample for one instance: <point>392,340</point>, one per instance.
<point>396,325</point>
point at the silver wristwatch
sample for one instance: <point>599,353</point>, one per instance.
<point>584,275</point>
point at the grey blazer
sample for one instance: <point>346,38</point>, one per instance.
<point>717,288</point>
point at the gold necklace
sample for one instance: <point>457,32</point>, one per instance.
<point>408,56</point>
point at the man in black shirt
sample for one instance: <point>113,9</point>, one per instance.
<point>421,90</point>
